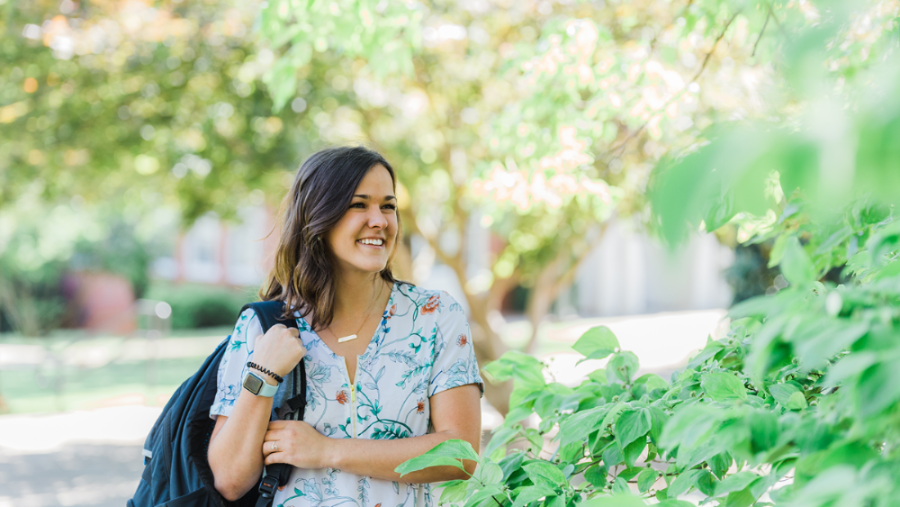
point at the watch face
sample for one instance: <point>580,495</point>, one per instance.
<point>253,383</point>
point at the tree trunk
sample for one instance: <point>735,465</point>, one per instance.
<point>488,345</point>
<point>552,280</point>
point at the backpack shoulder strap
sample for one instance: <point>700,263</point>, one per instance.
<point>270,313</point>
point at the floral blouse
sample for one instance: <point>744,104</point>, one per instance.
<point>422,347</point>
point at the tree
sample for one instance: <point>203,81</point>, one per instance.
<point>139,107</point>
<point>538,121</point>
<point>798,404</point>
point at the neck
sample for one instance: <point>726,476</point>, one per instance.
<point>355,293</point>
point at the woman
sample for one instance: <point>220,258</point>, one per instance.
<point>390,367</point>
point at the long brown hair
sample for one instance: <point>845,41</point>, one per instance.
<point>303,274</point>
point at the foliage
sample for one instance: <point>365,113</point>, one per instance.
<point>196,306</point>
<point>40,244</point>
<point>139,106</point>
<point>798,404</point>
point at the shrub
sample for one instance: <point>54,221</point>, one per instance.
<point>196,306</point>
<point>802,394</point>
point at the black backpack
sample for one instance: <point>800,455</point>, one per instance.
<point>176,470</point>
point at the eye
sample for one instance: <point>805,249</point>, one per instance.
<point>358,205</point>
<point>390,206</point>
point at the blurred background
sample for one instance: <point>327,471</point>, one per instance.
<point>146,147</point>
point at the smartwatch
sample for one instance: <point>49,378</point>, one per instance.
<point>258,386</point>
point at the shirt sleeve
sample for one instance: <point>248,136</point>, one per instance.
<point>234,363</point>
<point>454,356</point>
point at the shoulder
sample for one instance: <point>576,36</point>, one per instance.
<point>432,302</point>
<point>246,329</point>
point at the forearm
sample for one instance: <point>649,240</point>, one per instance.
<point>235,452</point>
<point>379,458</point>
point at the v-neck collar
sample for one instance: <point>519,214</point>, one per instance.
<point>373,340</point>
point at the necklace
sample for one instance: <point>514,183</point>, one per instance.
<point>356,334</point>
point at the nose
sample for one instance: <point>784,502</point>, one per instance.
<point>376,219</point>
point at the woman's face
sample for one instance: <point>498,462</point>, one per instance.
<point>364,237</point>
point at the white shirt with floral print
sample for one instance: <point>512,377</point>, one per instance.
<point>422,347</point>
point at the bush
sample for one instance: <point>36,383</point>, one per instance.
<point>195,306</point>
<point>798,403</point>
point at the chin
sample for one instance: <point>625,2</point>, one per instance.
<point>370,267</point>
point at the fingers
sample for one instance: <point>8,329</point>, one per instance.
<point>277,425</point>
<point>276,457</point>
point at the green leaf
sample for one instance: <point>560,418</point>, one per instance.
<point>598,376</point>
<point>623,365</point>
<point>741,498</point>
<point>783,392</point>
<point>712,348</point>
<point>796,402</point>
<point>683,483</point>
<point>447,453</point>
<point>613,455</point>
<point>646,479</point>
<point>512,463</point>
<point>620,487</point>
<point>453,491</point>
<point>705,482</point>
<point>596,343</point>
<point>652,381</point>
<point>777,252</point>
<point>763,430</point>
<point>484,497</point>
<point>596,475</point>
<point>631,425</point>
<point>723,386</point>
<point>633,451</point>
<point>555,501</point>
<point>502,436</point>
<point>542,472</point>
<point>488,473</point>
<point>623,500</point>
<point>735,482</point>
<point>580,425</point>
<point>674,503</point>
<point>525,369</point>
<point>658,420</point>
<point>878,388</point>
<point>530,494</point>
<point>795,265</point>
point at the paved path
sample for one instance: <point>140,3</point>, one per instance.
<point>93,458</point>
<point>82,458</point>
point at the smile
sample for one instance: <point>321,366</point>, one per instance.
<point>371,242</point>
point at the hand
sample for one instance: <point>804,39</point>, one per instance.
<point>279,350</point>
<point>296,443</point>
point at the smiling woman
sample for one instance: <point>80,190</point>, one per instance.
<point>390,367</point>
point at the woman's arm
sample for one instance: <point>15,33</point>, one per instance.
<point>455,414</point>
<point>234,447</point>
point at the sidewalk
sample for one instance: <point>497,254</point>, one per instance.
<point>82,458</point>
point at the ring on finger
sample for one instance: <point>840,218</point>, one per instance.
<point>274,446</point>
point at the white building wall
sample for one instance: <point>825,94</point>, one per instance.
<point>632,273</point>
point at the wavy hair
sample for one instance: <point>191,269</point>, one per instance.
<point>303,274</point>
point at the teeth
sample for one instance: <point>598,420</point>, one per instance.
<point>376,242</point>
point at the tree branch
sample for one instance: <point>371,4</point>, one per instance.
<point>640,129</point>
<point>761,32</point>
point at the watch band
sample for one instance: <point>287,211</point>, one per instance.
<point>258,386</point>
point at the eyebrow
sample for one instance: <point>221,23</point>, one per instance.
<point>367,197</point>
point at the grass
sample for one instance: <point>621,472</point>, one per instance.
<point>30,390</point>
<point>46,389</point>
